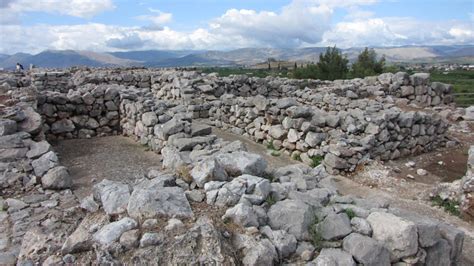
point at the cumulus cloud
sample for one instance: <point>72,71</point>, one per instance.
<point>395,31</point>
<point>158,18</point>
<point>300,23</point>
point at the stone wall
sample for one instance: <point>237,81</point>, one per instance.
<point>52,81</point>
<point>345,122</point>
<point>344,138</point>
<point>89,110</point>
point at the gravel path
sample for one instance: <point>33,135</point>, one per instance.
<point>115,158</point>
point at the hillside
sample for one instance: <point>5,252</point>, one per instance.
<point>238,57</point>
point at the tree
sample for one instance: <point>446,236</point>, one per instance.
<point>367,64</point>
<point>332,65</point>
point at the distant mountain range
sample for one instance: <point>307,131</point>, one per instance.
<point>238,57</point>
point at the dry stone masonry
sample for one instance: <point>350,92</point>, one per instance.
<point>291,214</point>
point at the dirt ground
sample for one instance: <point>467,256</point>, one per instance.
<point>116,158</point>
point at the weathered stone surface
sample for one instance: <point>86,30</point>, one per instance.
<point>82,239</point>
<point>283,242</point>
<point>438,254</point>
<point>278,132</point>
<point>361,226</point>
<point>112,231</point>
<point>332,256</point>
<point>292,216</point>
<point>366,250</point>
<point>151,239</point>
<point>113,195</point>
<point>37,149</point>
<point>400,236</point>
<point>455,238</point>
<point>32,123</point>
<point>7,127</point>
<point>335,226</point>
<point>314,139</point>
<point>149,203</point>
<point>130,239</point>
<point>62,126</point>
<point>57,178</point>
<point>44,163</point>
<point>242,214</point>
<point>208,170</point>
<point>149,119</point>
<point>239,163</point>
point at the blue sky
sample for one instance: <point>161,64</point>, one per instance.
<point>120,25</point>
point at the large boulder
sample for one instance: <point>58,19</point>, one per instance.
<point>38,148</point>
<point>242,214</point>
<point>32,123</point>
<point>335,226</point>
<point>173,159</point>
<point>241,162</point>
<point>399,235</point>
<point>113,195</point>
<point>57,178</point>
<point>149,202</point>
<point>82,239</point>
<point>44,163</point>
<point>293,216</point>
<point>208,170</point>
<point>366,250</point>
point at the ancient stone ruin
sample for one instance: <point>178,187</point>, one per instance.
<point>211,201</point>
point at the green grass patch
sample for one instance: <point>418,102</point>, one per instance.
<point>316,160</point>
<point>270,200</point>
<point>275,153</point>
<point>450,206</point>
<point>270,146</point>
<point>315,234</point>
<point>462,81</point>
<point>350,212</point>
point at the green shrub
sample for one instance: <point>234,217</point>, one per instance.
<point>316,160</point>
<point>450,206</point>
<point>350,212</point>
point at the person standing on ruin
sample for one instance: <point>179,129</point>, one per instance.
<point>19,67</point>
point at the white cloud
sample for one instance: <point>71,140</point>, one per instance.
<point>157,20</point>
<point>395,31</point>
<point>300,23</point>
